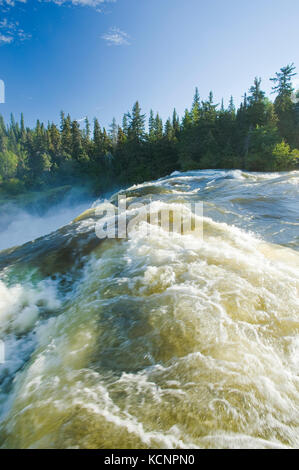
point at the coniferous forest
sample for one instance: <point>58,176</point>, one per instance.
<point>261,135</point>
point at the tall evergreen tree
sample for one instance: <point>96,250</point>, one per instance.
<point>113,131</point>
<point>151,126</point>
<point>284,106</point>
<point>256,104</point>
<point>136,128</point>
<point>196,107</point>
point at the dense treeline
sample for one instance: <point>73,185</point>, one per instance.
<point>260,136</point>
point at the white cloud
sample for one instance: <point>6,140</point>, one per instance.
<point>82,3</point>
<point>10,32</point>
<point>6,4</point>
<point>116,37</point>
<point>5,39</point>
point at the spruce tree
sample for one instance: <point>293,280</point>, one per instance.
<point>113,131</point>
<point>136,129</point>
<point>284,106</point>
<point>195,112</point>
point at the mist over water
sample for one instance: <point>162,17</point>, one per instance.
<point>19,226</point>
<point>162,340</point>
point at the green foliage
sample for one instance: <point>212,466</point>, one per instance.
<point>262,141</point>
<point>136,128</point>
<point>8,164</point>
<point>284,106</point>
<point>258,136</point>
<point>284,157</point>
<point>13,186</point>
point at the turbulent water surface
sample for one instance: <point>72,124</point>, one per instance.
<point>165,340</point>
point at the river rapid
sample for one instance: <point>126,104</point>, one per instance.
<point>158,340</point>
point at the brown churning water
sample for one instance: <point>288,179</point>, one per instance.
<point>159,341</point>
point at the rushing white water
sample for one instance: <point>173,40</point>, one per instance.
<point>162,340</point>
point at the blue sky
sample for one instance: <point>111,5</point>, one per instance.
<point>96,57</point>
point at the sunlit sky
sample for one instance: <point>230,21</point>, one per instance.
<point>96,57</point>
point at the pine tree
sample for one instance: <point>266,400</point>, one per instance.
<point>168,131</point>
<point>209,112</point>
<point>158,127</point>
<point>187,120</point>
<point>256,104</point>
<point>195,112</point>
<point>284,106</point>
<point>283,81</point>
<point>222,110</point>
<point>55,145</point>
<point>121,137</point>
<point>97,136</point>
<point>175,123</point>
<point>77,147</point>
<point>136,128</point>
<point>87,130</point>
<point>22,129</point>
<point>231,107</point>
<point>151,126</point>
<point>66,134</point>
<point>125,125</point>
<point>113,131</point>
